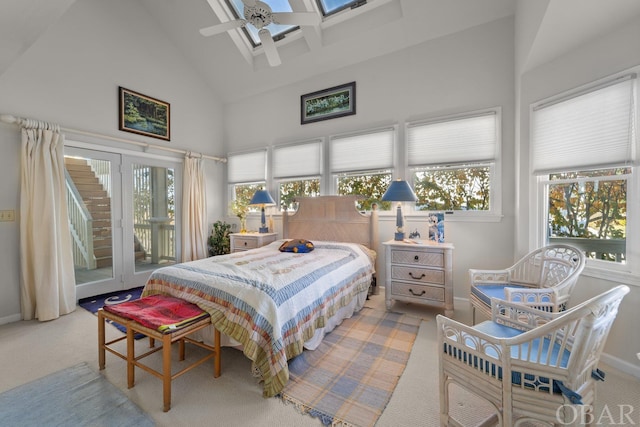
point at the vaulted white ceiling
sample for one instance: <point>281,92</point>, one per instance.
<point>378,28</point>
<point>551,27</point>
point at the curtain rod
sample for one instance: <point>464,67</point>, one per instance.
<point>7,118</point>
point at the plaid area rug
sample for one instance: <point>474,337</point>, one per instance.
<point>349,379</point>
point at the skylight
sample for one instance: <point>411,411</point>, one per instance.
<point>329,7</point>
<point>276,30</point>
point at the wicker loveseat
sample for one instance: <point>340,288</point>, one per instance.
<point>543,279</point>
<point>529,364</point>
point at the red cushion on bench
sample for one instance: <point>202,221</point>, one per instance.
<point>160,312</point>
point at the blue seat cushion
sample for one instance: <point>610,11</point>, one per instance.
<point>486,292</point>
<point>538,346</point>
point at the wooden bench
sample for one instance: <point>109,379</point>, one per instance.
<point>178,333</point>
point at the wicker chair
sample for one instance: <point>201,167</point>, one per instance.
<point>530,365</point>
<point>542,279</point>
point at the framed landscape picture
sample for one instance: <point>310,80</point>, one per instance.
<point>144,115</point>
<point>337,101</point>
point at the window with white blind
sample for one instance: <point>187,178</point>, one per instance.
<point>454,162</point>
<point>297,169</point>
<point>362,164</point>
<point>246,173</point>
<point>583,155</point>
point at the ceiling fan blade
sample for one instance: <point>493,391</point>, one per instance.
<point>221,28</point>
<point>296,18</point>
<point>249,3</point>
<point>269,47</point>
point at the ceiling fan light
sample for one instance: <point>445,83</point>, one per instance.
<point>259,15</point>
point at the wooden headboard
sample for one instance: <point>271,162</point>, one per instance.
<point>331,218</point>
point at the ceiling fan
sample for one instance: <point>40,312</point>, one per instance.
<point>259,14</point>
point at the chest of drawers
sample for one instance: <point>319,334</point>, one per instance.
<point>245,241</point>
<point>419,273</point>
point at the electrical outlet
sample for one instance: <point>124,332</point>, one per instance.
<point>8,215</point>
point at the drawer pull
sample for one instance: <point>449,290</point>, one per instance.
<point>245,243</point>
<point>416,258</point>
<point>417,295</point>
<point>416,278</point>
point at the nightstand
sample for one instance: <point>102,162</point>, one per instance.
<point>420,272</point>
<point>245,241</point>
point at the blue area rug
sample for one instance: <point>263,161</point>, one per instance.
<point>94,303</point>
<point>76,396</point>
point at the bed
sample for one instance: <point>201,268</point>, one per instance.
<point>275,304</point>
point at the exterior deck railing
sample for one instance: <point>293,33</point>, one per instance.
<point>596,248</point>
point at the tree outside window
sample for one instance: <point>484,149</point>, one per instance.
<point>370,185</point>
<point>244,193</point>
<point>289,190</point>
<point>465,188</point>
<point>589,210</point>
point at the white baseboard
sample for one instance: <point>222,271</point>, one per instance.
<point>10,319</point>
<point>621,365</point>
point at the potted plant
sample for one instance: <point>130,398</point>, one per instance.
<point>219,243</point>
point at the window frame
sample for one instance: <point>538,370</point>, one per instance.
<point>317,171</point>
<point>494,213</point>
<point>363,169</point>
<point>251,180</point>
<point>628,273</point>
<point>597,268</point>
<point>546,182</point>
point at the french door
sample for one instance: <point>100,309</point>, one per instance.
<point>122,216</point>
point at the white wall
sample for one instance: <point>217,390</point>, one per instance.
<point>466,71</point>
<point>607,55</point>
<point>71,76</point>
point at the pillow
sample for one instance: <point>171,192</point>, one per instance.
<point>297,245</point>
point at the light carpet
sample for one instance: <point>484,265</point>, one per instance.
<point>349,379</point>
<point>76,396</point>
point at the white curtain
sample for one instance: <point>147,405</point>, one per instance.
<point>194,211</point>
<point>48,285</point>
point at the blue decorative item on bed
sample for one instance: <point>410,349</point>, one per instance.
<point>301,246</point>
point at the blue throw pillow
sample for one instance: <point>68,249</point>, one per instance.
<point>297,245</point>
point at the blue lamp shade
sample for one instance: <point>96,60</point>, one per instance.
<point>262,197</point>
<point>399,191</point>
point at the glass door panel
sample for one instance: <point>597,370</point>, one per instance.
<point>91,207</point>
<point>151,204</point>
<point>122,215</point>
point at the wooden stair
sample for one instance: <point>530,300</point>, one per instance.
<point>99,205</point>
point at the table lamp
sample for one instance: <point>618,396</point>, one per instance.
<point>399,191</point>
<point>262,198</point>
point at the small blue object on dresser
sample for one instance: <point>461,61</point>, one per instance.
<point>436,227</point>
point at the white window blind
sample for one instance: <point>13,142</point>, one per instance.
<point>365,151</point>
<point>587,130</point>
<point>247,167</point>
<point>455,140</point>
<point>297,160</point>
